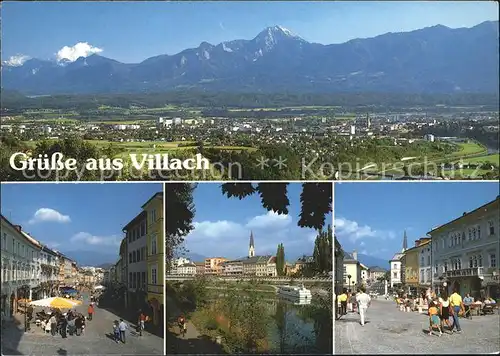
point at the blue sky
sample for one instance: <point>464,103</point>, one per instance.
<point>372,217</point>
<point>76,217</point>
<point>223,226</point>
<point>134,31</point>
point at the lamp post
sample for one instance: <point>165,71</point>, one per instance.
<point>349,277</point>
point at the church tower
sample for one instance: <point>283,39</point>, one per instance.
<point>405,242</point>
<point>251,249</point>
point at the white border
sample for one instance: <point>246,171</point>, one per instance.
<point>334,312</point>
<point>440,181</point>
<point>164,270</point>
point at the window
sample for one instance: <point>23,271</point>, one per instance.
<point>153,244</point>
<point>436,268</point>
<point>134,280</point>
<point>13,247</point>
<point>143,228</point>
<point>153,275</point>
<point>130,278</point>
<point>130,257</point>
<point>143,253</point>
<point>153,216</point>
<point>445,266</point>
<point>129,235</point>
<point>471,262</point>
<point>144,282</point>
<point>422,277</point>
<point>428,260</point>
<point>491,227</point>
<point>480,260</point>
<point>493,260</point>
<point>422,260</point>
<point>395,274</point>
<point>474,259</point>
<point>470,234</point>
<point>4,241</point>
<point>479,232</point>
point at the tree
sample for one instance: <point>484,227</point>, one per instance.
<point>322,254</point>
<point>280,260</point>
<point>316,199</point>
<point>179,211</point>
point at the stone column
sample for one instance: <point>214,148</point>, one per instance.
<point>385,287</point>
<point>31,294</point>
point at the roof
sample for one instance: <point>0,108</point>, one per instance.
<point>187,265</point>
<point>22,233</point>
<point>250,260</point>
<point>142,215</point>
<point>397,257</point>
<point>157,195</point>
<point>485,207</point>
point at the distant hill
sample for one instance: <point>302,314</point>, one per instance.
<point>105,265</point>
<point>371,261</point>
<point>92,258</point>
<point>194,257</point>
<point>435,59</point>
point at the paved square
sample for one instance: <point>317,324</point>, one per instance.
<point>95,341</point>
<point>391,331</point>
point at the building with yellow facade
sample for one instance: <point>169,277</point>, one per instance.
<point>155,256</point>
<point>352,271</point>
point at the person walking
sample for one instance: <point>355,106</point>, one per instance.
<point>78,325</point>
<point>116,331</point>
<point>457,306</point>
<point>343,302</point>
<point>122,326</point>
<point>53,324</point>
<point>141,322</point>
<point>363,301</point>
<point>444,310</point>
<point>90,310</point>
<point>468,301</point>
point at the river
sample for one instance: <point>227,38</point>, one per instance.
<point>294,327</point>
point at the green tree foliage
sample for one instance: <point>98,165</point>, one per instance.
<point>179,211</point>
<point>323,251</point>
<point>280,260</point>
<point>217,103</point>
<point>316,199</point>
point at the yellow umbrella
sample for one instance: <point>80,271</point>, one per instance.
<point>56,302</point>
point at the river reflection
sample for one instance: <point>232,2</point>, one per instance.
<point>297,326</point>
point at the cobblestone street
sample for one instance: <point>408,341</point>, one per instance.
<point>96,340</point>
<point>390,331</point>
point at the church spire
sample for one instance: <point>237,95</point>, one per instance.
<point>405,242</point>
<point>251,249</point>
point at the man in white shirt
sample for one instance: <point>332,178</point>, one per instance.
<point>363,301</point>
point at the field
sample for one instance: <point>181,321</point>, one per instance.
<point>152,146</point>
<point>493,159</point>
<point>469,148</point>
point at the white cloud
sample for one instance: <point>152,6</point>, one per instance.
<point>81,49</point>
<point>231,239</point>
<point>348,229</point>
<point>271,220</point>
<point>47,214</point>
<point>90,239</point>
<point>221,25</point>
<point>16,61</point>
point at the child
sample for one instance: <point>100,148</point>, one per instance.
<point>434,321</point>
<point>116,331</point>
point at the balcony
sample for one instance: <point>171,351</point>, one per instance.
<point>466,272</point>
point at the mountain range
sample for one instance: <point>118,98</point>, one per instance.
<point>436,59</point>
